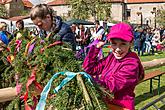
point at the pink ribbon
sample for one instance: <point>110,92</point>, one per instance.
<point>100,55</point>
<point>18,44</point>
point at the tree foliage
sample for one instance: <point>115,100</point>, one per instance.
<point>83,9</point>
<point>160,17</point>
<point>24,12</point>
<point>3,12</point>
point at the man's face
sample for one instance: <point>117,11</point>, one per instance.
<point>44,24</point>
<point>96,25</point>
<point>73,27</point>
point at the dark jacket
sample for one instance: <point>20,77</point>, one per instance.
<point>63,30</point>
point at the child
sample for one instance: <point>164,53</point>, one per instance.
<point>121,70</point>
<point>21,31</point>
<point>43,16</point>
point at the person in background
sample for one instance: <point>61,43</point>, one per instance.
<point>139,41</point>
<point>120,71</point>
<point>148,43</point>
<point>21,31</point>
<point>49,24</point>
<point>74,28</point>
<point>80,35</point>
<point>87,36</point>
<point>4,34</point>
<point>142,40</point>
<point>99,32</point>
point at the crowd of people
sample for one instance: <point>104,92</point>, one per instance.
<point>119,72</point>
<point>148,40</point>
<point>20,33</point>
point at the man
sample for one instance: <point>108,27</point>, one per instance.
<point>99,31</point>
<point>42,16</point>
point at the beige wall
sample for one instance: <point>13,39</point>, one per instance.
<point>7,6</point>
<point>116,11</point>
<point>146,12</point>
<point>62,10</point>
<point>13,8</point>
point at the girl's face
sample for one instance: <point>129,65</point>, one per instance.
<point>120,48</point>
<point>19,26</point>
<point>44,24</point>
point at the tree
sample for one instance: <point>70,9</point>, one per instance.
<point>3,12</point>
<point>79,9</point>
<point>83,9</point>
<point>24,12</point>
<point>160,17</point>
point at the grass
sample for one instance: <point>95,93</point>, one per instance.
<point>142,90</point>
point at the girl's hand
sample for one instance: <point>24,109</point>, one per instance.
<point>100,44</point>
<point>98,37</point>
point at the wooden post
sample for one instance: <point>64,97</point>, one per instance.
<point>7,94</point>
<point>154,63</point>
<point>86,95</point>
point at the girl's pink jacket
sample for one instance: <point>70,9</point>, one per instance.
<point>119,76</point>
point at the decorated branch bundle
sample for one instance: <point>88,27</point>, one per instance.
<point>33,63</point>
<point>78,93</point>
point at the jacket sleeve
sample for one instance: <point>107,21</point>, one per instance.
<point>127,75</point>
<point>64,30</point>
<point>58,20</point>
<point>91,64</point>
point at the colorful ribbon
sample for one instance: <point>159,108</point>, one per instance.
<point>31,80</point>
<point>100,54</point>
<point>18,45</point>
<point>30,46</point>
<point>44,94</point>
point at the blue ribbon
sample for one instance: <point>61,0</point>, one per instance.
<point>44,94</point>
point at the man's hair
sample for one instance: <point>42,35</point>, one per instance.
<point>97,22</point>
<point>41,11</point>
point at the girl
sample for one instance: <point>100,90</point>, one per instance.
<point>48,23</point>
<point>121,70</point>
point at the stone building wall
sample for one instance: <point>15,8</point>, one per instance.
<point>62,10</point>
<point>145,10</point>
<point>117,11</point>
<point>14,8</point>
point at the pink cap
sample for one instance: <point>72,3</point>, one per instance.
<point>121,31</point>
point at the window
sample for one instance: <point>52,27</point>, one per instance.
<point>140,8</point>
<point>69,13</point>
<point>154,8</point>
<point>128,12</point>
